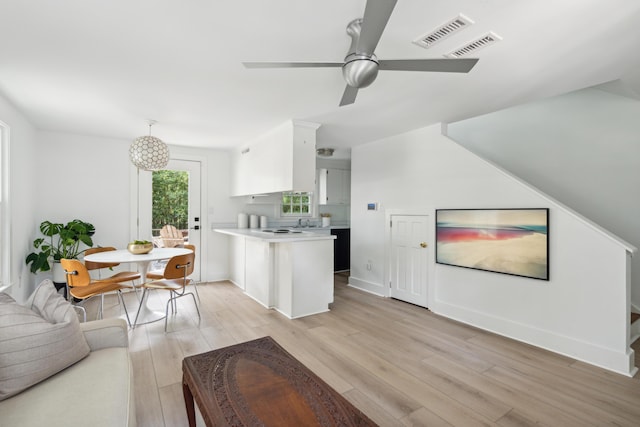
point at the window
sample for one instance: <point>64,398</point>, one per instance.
<point>5,241</point>
<point>296,204</point>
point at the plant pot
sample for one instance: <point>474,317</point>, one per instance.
<point>139,249</point>
<point>326,221</point>
<point>59,276</point>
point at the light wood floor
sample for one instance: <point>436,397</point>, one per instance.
<point>400,364</point>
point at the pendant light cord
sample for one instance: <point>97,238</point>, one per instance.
<point>151,123</point>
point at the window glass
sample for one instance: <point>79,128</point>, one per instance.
<point>296,204</point>
<point>170,195</point>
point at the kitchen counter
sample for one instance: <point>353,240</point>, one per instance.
<point>295,234</point>
<point>291,272</point>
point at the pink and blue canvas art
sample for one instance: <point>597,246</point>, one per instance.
<point>509,241</point>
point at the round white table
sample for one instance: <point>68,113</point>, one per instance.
<point>143,261</point>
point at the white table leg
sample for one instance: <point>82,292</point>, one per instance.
<point>147,315</point>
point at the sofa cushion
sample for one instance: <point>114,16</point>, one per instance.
<point>37,340</point>
<point>95,392</point>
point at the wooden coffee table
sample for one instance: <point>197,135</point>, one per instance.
<point>259,383</point>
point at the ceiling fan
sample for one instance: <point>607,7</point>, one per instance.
<point>360,66</point>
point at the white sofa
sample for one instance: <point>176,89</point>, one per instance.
<point>96,391</point>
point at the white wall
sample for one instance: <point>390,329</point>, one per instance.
<point>582,148</point>
<point>86,178</point>
<point>423,171</point>
<point>23,184</point>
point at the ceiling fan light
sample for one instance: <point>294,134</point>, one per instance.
<point>325,152</point>
<point>360,72</point>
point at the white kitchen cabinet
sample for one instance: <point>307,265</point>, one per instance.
<point>291,273</point>
<point>304,272</point>
<point>237,254</point>
<point>283,159</point>
<point>334,187</point>
<point>259,271</point>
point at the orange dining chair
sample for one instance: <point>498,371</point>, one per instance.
<point>119,277</point>
<point>82,287</point>
<point>175,280</point>
<point>159,274</point>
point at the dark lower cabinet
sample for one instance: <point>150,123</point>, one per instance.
<point>341,249</point>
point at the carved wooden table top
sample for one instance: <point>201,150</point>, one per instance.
<point>258,383</point>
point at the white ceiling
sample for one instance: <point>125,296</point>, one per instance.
<point>103,68</point>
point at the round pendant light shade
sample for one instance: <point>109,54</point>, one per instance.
<point>149,153</point>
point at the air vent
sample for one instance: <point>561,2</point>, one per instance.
<point>443,31</point>
<point>474,46</point>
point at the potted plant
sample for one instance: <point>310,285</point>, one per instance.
<point>326,219</point>
<point>60,241</point>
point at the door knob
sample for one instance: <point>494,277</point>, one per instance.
<point>423,244</point>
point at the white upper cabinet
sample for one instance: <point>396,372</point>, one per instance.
<point>334,187</point>
<point>283,159</point>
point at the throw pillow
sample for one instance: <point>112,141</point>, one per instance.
<point>37,340</point>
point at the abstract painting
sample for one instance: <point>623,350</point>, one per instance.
<point>509,241</point>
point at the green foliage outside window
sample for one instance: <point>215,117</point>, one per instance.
<point>170,199</point>
<point>296,204</point>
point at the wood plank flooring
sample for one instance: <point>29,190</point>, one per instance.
<point>400,364</point>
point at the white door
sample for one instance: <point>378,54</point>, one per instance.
<point>409,258</point>
<point>194,215</point>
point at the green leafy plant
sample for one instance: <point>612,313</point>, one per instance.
<point>60,241</point>
<point>170,192</point>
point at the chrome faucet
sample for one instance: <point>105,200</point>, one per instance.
<point>299,222</point>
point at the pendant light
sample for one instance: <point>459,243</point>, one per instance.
<point>148,152</point>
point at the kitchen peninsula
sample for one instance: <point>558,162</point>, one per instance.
<point>288,270</point>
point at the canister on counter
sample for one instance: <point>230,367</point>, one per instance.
<point>243,220</point>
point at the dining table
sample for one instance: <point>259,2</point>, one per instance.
<point>143,262</point>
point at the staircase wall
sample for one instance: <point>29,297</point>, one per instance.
<point>581,148</point>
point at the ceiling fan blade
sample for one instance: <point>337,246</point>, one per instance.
<point>376,16</point>
<point>349,95</point>
<point>463,65</point>
<point>293,64</point>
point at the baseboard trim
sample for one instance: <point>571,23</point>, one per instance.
<point>370,287</point>
<point>634,331</point>
<point>620,361</point>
